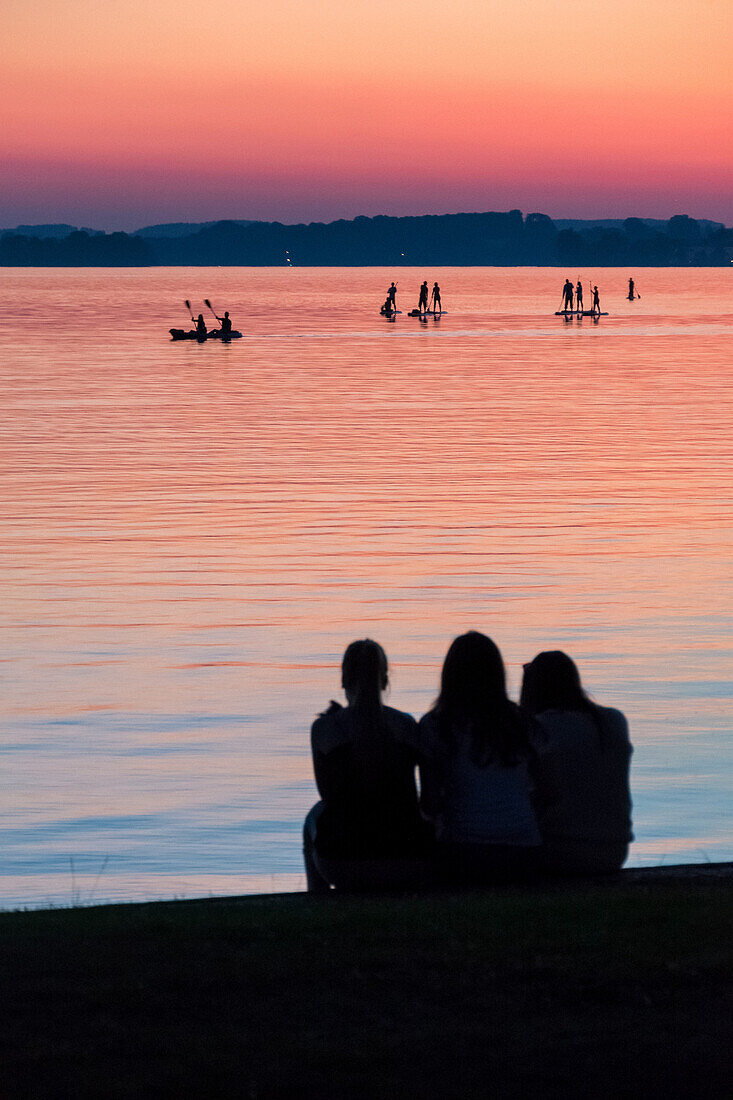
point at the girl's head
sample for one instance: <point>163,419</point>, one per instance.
<point>473,675</point>
<point>473,701</point>
<point>364,673</point>
<point>552,682</point>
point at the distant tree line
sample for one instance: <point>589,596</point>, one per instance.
<point>501,239</point>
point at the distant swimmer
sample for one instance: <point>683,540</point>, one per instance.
<point>225,323</point>
<point>422,304</point>
<point>632,295</point>
<point>579,296</point>
<point>567,295</point>
<point>200,324</point>
<point>596,300</point>
<point>435,299</point>
<point>392,295</point>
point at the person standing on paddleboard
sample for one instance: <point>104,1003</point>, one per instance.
<point>596,301</point>
<point>579,296</point>
<point>435,299</point>
<point>631,290</point>
<point>422,304</point>
<point>392,296</point>
<point>567,295</point>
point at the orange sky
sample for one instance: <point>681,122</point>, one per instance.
<point>120,114</point>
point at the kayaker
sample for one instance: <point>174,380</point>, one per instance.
<point>226,324</point>
<point>200,324</point>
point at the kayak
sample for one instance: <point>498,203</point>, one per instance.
<point>191,334</point>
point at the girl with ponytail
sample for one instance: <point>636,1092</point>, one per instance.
<point>367,831</point>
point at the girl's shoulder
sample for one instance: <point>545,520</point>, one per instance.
<point>401,725</point>
<point>331,728</point>
<point>553,726</point>
<point>432,744</point>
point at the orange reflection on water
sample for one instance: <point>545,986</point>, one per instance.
<point>192,534</point>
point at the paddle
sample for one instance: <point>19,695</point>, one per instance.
<point>188,307</point>
<point>208,303</point>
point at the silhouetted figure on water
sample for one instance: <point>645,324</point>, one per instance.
<point>225,324</point>
<point>579,296</point>
<point>200,324</point>
<point>476,781</point>
<point>632,295</point>
<point>435,299</point>
<point>367,831</point>
<point>392,296</point>
<point>422,304</point>
<point>582,769</point>
<point>596,300</point>
<point>567,296</point>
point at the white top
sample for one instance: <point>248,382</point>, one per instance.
<point>481,803</point>
<point>583,773</point>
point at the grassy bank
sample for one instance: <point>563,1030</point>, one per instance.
<point>588,990</point>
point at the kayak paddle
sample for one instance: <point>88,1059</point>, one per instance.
<point>208,303</point>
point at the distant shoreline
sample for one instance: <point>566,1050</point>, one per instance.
<point>446,240</point>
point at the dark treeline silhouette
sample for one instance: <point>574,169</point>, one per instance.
<point>498,239</point>
<point>78,249</point>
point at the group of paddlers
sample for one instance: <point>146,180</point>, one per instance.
<point>569,291</point>
<point>428,301</point>
<point>224,330</point>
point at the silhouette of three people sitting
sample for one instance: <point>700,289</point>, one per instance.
<point>506,791</point>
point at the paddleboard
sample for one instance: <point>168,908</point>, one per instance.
<point>383,313</point>
<point>577,313</point>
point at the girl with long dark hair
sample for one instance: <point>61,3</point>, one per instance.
<point>367,832</point>
<point>476,782</point>
<point>583,759</point>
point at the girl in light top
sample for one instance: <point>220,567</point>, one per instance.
<point>475,770</point>
<point>583,759</point>
<point>367,832</point>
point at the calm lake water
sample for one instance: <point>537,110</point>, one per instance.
<point>192,534</point>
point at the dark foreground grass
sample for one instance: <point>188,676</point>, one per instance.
<point>612,989</point>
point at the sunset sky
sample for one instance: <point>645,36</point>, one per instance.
<point>121,114</point>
